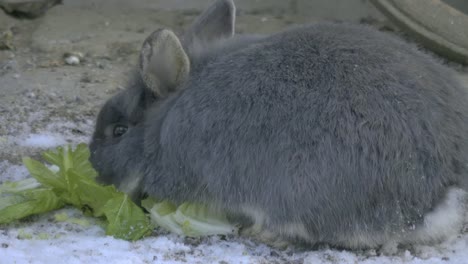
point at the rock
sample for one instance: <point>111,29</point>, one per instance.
<point>27,8</point>
<point>434,24</point>
<point>73,58</point>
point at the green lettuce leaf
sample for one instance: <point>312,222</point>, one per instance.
<point>189,219</point>
<point>18,186</point>
<point>126,220</point>
<point>74,184</point>
<point>66,158</point>
<point>44,175</point>
<point>93,195</point>
<point>17,205</point>
<point>162,214</point>
<point>198,220</point>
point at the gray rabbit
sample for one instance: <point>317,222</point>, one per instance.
<point>325,133</point>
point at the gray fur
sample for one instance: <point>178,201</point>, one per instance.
<point>339,131</point>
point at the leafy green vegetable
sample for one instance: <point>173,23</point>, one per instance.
<point>63,217</point>
<point>126,220</point>
<point>17,186</point>
<point>43,236</point>
<point>22,234</point>
<point>66,158</point>
<point>24,198</point>
<point>188,219</point>
<point>74,184</point>
<point>43,175</point>
<point>74,167</point>
<point>199,220</point>
<point>162,214</point>
<point>94,195</point>
<point>17,205</point>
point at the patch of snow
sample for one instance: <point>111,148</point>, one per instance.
<point>72,132</point>
<point>11,172</point>
<point>73,243</point>
<point>42,140</point>
<point>58,132</point>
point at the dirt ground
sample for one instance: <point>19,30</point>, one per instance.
<point>38,89</point>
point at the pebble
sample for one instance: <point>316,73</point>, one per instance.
<point>73,58</point>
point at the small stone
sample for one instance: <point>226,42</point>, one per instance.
<point>73,58</point>
<point>5,245</point>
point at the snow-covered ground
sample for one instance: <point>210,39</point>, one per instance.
<point>80,239</point>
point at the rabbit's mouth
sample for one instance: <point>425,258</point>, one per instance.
<point>131,185</point>
<point>118,172</point>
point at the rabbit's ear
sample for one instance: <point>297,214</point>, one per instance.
<point>216,22</point>
<point>164,65</point>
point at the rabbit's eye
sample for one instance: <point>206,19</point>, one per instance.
<point>119,130</point>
